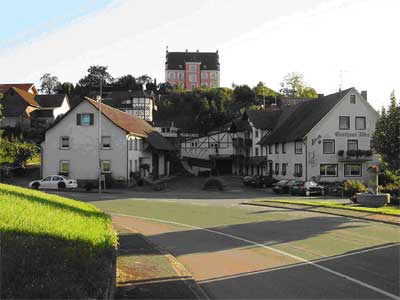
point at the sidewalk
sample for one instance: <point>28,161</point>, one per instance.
<point>332,211</point>
<point>145,272</point>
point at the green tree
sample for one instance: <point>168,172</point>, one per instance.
<point>264,94</point>
<point>1,107</point>
<point>49,83</point>
<point>65,88</point>
<point>293,85</point>
<point>95,74</point>
<point>387,134</point>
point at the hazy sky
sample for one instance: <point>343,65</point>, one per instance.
<point>258,40</point>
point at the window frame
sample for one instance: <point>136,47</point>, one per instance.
<point>102,165</point>
<point>365,122</point>
<point>269,149</point>
<point>352,97</point>
<point>276,148</point>
<point>347,144</point>
<point>295,148</point>
<point>326,170</point>
<point>300,167</point>
<point>82,118</point>
<point>323,146</point>
<point>283,147</point>
<point>62,162</point>
<point>276,169</point>
<point>61,143</point>
<point>284,169</point>
<point>352,164</point>
<point>102,142</point>
<point>348,118</point>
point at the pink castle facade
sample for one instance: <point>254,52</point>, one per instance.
<point>192,69</point>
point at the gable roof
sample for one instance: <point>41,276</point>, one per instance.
<point>23,86</point>
<point>176,60</point>
<point>300,119</point>
<point>264,118</point>
<point>50,101</point>
<point>158,142</point>
<point>28,97</point>
<point>127,122</point>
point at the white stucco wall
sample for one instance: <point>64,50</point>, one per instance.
<point>84,144</point>
<point>328,128</point>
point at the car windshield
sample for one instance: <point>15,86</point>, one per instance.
<point>312,183</point>
<point>282,182</point>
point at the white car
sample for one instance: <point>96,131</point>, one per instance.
<point>54,182</point>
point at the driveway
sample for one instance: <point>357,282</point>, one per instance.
<point>237,252</point>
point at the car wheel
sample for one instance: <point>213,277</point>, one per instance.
<point>36,185</point>
<point>307,193</point>
<point>61,185</point>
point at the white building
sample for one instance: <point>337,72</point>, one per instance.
<point>328,138</point>
<point>212,152</point>
<point>128,144</point>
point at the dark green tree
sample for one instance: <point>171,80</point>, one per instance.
<point>95,73</point>
<point>49,83</point>
<point>386,138</point>
<point>65,88</point>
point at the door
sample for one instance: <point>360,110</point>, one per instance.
<point>46,183</point>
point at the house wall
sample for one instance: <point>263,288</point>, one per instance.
<point>63,109</point>
<point>328,128</point>
<point>83,154</point>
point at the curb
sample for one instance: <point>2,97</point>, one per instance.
<point>180,269</point>
<point>315,210</point>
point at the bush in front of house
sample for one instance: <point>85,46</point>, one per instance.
<point>351,187</point>
<point>54,247</point>
<point>214,183</point>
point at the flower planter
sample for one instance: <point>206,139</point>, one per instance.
<point>371,200</point>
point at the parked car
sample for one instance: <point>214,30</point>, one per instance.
<point>54,182</point>
<point>307,188</point>
<point>283,186</point>
<point>259,181</point>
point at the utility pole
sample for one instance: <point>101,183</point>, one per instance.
<point>99,99</point>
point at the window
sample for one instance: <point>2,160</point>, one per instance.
<point>180,75</point>
<point>64,166</point>
<point>328,170</point>
<point>298,170</point>
<point>127,101</point>
<point>276,169</point>
<point>270,149</point>
<point>256,133</point>
<point>204,75</point>
<point>130,166</point>
<point>352,145</point>
<point>256,151</point>
<point>171,75</point>
<point>194,144</point>
<point>283,147</point>
<point>352,170</point>
<point>106,142</point>
<point>84,119</point>
<point>130,144</point>
<point>140,144</point>
<point>64,142</point>
<point>352,99</point>
<point>344,122</point>
<point>283,169</point>
<point>48,178</point>
<point>192,68</point>
<point>276,148</point>
<point>298,147</point>
<point>106,166</point>
<point>193,78</point>
<point>213,75</point>
<point>136,144</point>
<point>360,123</point>
<point>328,146</point>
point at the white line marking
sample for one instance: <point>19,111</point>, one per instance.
<point>275,250</point>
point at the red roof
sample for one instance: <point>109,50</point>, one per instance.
<point>23,86</point>
<point>127,122</point>
<point>28,97</point>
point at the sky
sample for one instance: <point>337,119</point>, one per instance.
<point>332,43</point>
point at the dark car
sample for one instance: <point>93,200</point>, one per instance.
<point>283,186</point>
<point>259,181</point>
<point>307,188</point>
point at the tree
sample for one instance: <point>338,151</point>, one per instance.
<point>244,94</point>
<point>1,107</point>
<point>127,82</point>
<point>264,93</point>
<point>293,85</point>
<point>95,74</point>
<point>386,138</point>
<point>48,83</point>
<point>65,88</point>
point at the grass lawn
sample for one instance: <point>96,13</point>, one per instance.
<point>386,210</point>
<point>47,239</point>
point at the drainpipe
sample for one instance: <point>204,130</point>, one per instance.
<point>306,166</point>
<point>127,162</point>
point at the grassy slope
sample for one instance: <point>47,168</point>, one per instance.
<point>34,212</point>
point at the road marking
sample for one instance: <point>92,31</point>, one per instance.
<point>305,262</point>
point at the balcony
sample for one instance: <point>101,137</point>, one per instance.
<point>355,155</point>
<point>242,142</point>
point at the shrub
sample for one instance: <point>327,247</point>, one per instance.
<point>351,187</point>
<point>340,152</point>
<point>214,183</point>
<point>53,247</point>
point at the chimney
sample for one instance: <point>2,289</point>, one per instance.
<point>364,95</point>
<point>186,50</point>
<point>197,50</point>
